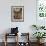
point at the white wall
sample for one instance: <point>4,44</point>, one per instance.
<point>29,15</point>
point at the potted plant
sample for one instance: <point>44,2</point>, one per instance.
<point>38,27</point>
<point>39,35</point>
<point>35,27</point>
<point>42,27</point>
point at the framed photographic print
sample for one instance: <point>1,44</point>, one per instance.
<point>17,13</point>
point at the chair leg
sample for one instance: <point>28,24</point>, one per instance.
<point>5,40</point>
<point>5,43</point>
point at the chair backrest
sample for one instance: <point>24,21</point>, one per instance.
<point>14,30</point>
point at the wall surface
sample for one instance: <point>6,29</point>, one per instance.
<point>29,15</point>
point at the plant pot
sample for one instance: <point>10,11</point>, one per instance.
<point>38,40</point>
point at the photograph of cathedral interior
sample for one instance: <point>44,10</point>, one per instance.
<point>22,22</point>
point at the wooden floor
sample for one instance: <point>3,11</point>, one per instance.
<point>13,44</point>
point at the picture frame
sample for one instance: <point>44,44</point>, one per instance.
<point>17,13</point>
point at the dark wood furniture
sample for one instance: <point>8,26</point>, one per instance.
<point>8,35</point>
<point>27,43</point>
